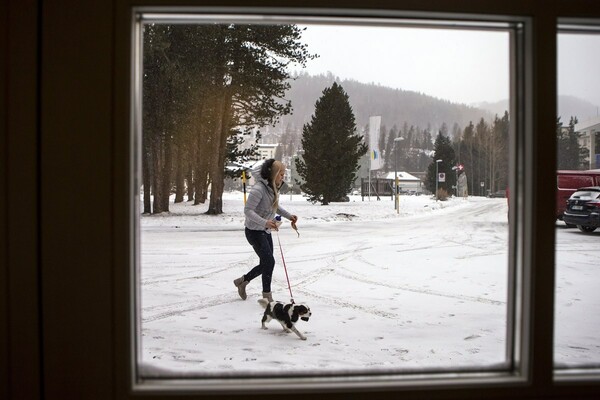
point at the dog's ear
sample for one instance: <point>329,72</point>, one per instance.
<point>296,313</point>
<point>302,309</point>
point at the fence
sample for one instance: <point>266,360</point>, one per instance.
<point>379,187</point>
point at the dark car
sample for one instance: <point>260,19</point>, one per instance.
<point>567,182</point>
<point>583,209</point>
<point>499,193</point>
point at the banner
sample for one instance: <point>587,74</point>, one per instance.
<point>376,161</point>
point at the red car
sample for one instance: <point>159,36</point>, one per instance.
<point>567,182</point>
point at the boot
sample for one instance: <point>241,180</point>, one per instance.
<point>240,283</point>
<point>268,296</point>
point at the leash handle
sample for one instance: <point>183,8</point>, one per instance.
<point>285,269</point>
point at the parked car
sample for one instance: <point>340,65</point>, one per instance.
<point>583,209</point>
<point>567,182</point>
<point>499,193</point>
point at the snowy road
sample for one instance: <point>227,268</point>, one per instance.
<point>415,290</point>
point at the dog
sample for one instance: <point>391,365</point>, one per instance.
<point>286,314</point>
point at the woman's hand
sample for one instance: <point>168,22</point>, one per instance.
<point>294,219</point>
<point>271,225</point>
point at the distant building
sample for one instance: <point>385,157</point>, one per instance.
<point>266,151</point>
<point>588,130</point>
<point>406,181</point>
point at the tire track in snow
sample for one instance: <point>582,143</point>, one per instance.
<point>247,263</point>
<point>179,308</point>
<point>341,303</point>
<point>352,276</point>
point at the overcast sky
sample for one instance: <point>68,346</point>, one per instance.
<point>579,66</point>
<point>460,66</point>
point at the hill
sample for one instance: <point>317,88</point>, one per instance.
<point>395,106</point>
<point>568,106</point>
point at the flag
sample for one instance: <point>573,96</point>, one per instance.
<point>376,161</point>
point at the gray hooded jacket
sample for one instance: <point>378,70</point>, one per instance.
<point>259,206</point>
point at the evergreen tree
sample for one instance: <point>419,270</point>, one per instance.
<point>569,153</point>
<point>205,87</point>
<point>332,148</point>
<point>499,153</point>
<point>442,151</point>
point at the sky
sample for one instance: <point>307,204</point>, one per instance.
<point>463,66</point>
<point>578,66</point>
<point>386,290</point>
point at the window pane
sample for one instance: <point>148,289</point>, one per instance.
<point>395,283</point>
<point>577,321</point>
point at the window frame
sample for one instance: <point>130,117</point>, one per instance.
<point>516,335</point>
<point>537,87</point>
<point>580,375</point>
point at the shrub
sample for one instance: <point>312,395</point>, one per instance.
<point>442,195</point>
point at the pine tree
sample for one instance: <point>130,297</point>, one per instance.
<point>205,88</point>
<point>332,148</point>
<point>569,153</point>
<point>442,151</point>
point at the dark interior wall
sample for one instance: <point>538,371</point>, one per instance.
<point>19,278</point>
<point>77,129</point>
<point>65,150</point>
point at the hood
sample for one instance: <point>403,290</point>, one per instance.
<point>255,173</point>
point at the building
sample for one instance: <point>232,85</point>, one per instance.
<point>588,130</point>
<point>406,181</point>
<point>267,151</point>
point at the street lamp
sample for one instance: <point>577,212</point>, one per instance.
<point>437,162</point>
<point>397,201</point>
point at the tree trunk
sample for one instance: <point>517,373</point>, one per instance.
<point>179,178</point>
<point>217,175</point>
<point>190,182</point>
<point>189,173</point>
<point>201,171</point>
<point>157,177</point>
<point>146,176</point>
<point>167,172</point>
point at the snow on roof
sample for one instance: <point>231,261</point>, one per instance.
<point>403,176</point>
<point>590,123</point>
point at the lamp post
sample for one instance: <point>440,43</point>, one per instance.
<point>397,195</point>
<point>437,162</point>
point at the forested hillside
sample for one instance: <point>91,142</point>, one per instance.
<point>568,106</point>
<point>395,106</point>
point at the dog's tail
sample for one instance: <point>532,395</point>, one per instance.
<point>263,302</point>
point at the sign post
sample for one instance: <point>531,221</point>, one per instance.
<point>375,159</point>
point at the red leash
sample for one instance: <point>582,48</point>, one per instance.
<point>285,268</point>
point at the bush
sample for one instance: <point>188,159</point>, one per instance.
<point>442,195</point>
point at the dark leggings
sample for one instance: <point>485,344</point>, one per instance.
<point>262,243</point>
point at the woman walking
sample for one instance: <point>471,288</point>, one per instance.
<point>260,209</point>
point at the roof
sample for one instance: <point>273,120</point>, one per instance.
<point>593,123</point>
<point>403,176</point>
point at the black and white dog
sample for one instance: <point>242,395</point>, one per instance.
<point>286,314</point>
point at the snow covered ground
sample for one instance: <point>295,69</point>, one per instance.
<point>422,289</point>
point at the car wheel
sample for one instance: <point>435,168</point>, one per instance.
<point>586,229</point>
